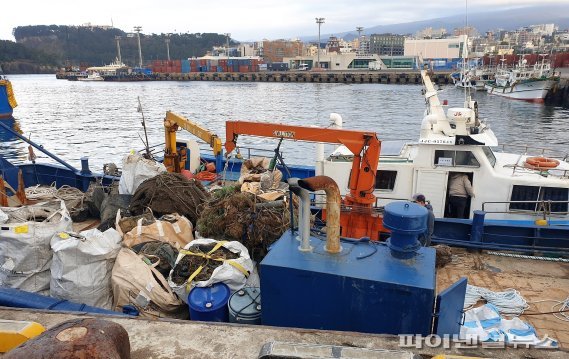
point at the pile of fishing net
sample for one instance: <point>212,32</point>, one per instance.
<point>189,264</point>
<point>244,217</point>
<point>170,193</point>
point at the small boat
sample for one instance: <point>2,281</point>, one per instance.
<point>523,82</point>
<point>92,76</point>
<point>474,78</point>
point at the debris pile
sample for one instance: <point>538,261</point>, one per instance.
<point>444,255</point>
<point>169,193</point>
<point>244,217</point>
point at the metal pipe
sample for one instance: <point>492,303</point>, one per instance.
<point>35,145</point>
<point>333,200</point>
<point>303,215</point>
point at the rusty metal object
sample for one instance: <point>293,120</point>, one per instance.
<point>3,195</point>
<point>21,193</point>
<point>78,338</point>
<point>333,200</point>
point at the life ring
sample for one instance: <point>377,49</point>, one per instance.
<point>542,162</point>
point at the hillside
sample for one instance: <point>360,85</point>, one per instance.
<point>61,45</point>
<point>483,21</point>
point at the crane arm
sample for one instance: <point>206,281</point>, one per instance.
<point>174,121</point>
<point>364,145</point>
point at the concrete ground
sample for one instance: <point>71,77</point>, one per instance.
<point>535,280</point>
<point>187,339</point>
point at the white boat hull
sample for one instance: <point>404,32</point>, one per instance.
<point>534,91</point>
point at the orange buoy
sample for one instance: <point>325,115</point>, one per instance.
<point>542,162</point>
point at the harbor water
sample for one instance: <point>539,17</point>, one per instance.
<point>100,119</point>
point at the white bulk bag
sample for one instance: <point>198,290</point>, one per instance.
<point>135,170</point>
<point>25,252</point>
<point>232,272</point>
<point>82,265</point>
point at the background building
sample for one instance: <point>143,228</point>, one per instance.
<point>449,48</point>
<point>275,51</point>
<point>387,44</point>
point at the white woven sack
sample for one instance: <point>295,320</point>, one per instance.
<point>25,252</point>
<point>135,170</point>
<point>82,266</point>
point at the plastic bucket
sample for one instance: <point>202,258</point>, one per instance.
<point>245,306</point>
<point>209,303</point>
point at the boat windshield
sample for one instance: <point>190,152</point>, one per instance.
<point>490,155</point>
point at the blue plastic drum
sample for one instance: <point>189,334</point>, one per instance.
<point>209,304</point>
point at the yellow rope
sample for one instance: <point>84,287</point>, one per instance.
<point>10,93</point>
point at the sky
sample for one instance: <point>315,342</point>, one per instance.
<point>245,20</point>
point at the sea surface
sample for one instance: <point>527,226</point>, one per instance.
<point>100,119</point>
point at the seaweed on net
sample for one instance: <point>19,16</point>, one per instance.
<point>237,217</point>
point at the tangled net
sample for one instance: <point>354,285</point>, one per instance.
<point>189,263</point>
<point>237,216</point>
<point>169,193</point>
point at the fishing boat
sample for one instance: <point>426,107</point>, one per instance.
<point>345,277</point>
<point>91,76</point>
<point>508,186</point>
<point>473,77</point>
<point>524,82</point>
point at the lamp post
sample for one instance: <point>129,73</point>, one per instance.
<point>138,29</point>
<point>319,21</point>
<point>167,40</point>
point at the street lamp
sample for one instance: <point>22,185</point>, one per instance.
<point>319,21</point>
<point>138,29</point>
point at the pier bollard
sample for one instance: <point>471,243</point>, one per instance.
<point>85,165</point>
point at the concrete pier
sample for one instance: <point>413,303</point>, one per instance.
<point>347,77</point>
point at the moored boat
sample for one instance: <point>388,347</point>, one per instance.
<point>523,82</point>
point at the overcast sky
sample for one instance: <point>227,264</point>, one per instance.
<point>244,19</point>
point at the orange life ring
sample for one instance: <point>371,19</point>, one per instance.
<point>542,162</point>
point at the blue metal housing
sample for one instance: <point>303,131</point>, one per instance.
<point>364,288</point>
<point>406,220</point>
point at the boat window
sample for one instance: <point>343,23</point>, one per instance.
<point>455,158</point>
<point>490,155</point>
<point>385,180</point>
<point>535,193</point>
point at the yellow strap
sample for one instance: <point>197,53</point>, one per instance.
<point>208,257</point>
<point>191,278</point>
<point>239,267</point>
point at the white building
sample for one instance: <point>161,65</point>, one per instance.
<point>449,48</point>
<point>543,29</point>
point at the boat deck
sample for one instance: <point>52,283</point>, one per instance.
<point>535,280</point>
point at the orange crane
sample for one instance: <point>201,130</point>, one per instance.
<point>358,217</point>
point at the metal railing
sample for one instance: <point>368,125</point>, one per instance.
<point>543,207</point>
<point>534,150</point>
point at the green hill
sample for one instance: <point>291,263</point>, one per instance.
<point>53,45</point>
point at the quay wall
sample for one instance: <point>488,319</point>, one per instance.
<point>384,77</point>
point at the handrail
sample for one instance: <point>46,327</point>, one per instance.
<point>545,207</point>
<point>39,147</point>
<point>542,150</point>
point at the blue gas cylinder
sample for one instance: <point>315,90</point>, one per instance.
<point>407,221</point>
<point>209,303</point>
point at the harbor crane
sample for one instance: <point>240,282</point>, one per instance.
<point>358,217</point>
